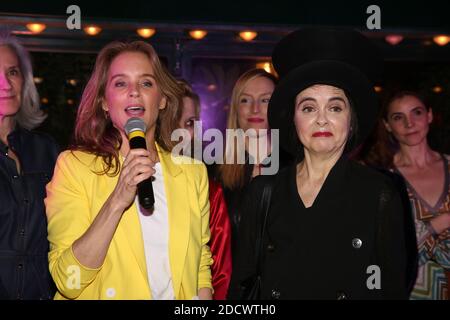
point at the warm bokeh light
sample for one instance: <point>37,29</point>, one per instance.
<point>266,66</point>
<point>247,35</point>
<point>44,100</point>
<point>437,89</point>
<point>72,82</point>
<point>212,87</point>
<point>394,39</point>
<point>38,80</point>
<point>441,40</point>
<point>70,102</point>
<point>198,34</point>
<point>146,32</point>
<point>378,89</point>
<point>92,30</point>
<point>36,27</point>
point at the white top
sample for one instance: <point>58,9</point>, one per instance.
<point>155,233</point>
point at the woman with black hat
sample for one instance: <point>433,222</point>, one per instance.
<point>334,228</point>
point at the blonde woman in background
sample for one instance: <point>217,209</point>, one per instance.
<point>248,110</point>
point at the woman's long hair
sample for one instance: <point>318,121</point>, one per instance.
<point>232,174</point>
<point>94,131</point>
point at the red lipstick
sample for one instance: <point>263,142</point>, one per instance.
<point>255,120</point>
<point>322,134</point>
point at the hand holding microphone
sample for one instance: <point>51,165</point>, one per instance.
<point>135,129</point>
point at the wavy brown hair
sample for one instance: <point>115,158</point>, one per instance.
<point>232,174</point>
<point>95,133</point>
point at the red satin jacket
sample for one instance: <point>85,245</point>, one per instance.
<point>220,243</point>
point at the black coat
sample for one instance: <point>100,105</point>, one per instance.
<point>23,224</point>
<point>235,198</point>
<point>324,252</point>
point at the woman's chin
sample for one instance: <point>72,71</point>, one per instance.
<point>413,141</point>
<point>8,110</point>
<point>324,148</point>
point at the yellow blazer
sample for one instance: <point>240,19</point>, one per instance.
<point>75,196</point>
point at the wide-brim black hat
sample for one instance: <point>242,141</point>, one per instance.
<point>338,57</point>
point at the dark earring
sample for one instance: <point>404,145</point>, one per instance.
<point>106,114</point>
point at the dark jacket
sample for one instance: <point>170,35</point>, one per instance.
<point>23,224</point>
<point>235,198</point>
<point>412,255</point>
<point>326,251</point>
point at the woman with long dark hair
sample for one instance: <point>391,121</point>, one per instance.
<point>401,146</point>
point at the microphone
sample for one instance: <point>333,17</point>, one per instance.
<point>135,129</point>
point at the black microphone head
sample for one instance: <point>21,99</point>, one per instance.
<point>135,124</point>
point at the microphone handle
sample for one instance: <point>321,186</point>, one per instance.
<point>145,194</point>
<point>144,188</point>
<point>138,143</point>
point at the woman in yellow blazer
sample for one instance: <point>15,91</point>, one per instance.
<point>103,245</point>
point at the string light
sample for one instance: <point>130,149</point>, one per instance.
<point>146,32</point>
<point>198,34</point>
<point>36,28</point>
<point>248,35</point>
<point>394,39</point>
<point>441,40</point>
<point>92,30</point>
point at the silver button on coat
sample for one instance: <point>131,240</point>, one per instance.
<point>356,243</point>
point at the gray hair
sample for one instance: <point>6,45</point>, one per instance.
<point>30,115</point>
